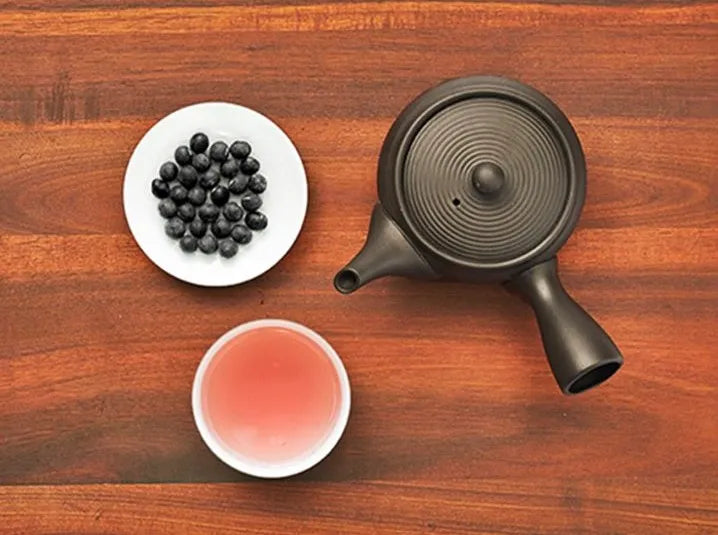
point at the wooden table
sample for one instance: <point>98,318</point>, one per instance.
<point>457,425</point>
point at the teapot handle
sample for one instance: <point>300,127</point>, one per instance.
<point>579,351</point>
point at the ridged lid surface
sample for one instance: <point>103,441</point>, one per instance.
<point>486,179</point>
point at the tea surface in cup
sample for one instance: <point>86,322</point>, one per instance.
<point>271,394</point>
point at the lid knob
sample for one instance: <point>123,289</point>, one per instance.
<point>488,178</point>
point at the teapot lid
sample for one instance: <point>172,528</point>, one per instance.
<point>489,172</point>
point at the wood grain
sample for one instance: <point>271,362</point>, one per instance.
<point>457,426</point>
<point>383,507</point>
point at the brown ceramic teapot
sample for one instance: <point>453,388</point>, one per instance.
<point>483,179</point>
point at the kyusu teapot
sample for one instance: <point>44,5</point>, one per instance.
<point>482,179</point>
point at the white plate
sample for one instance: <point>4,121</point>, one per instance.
<point>284,201</point>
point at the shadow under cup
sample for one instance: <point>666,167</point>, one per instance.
<point>271,398</point>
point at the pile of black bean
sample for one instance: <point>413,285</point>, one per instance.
<point>211,199</point>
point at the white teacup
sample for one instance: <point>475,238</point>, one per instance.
<point>271,398</point>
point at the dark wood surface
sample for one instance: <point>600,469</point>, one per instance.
<point>457,425</point>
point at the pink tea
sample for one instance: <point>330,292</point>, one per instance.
<point>271,394</point>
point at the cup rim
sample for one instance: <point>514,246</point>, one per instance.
<point>257,468</point>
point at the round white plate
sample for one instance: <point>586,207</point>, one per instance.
<point>284,201</point>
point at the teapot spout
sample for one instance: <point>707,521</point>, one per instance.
<point>386,252</point>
